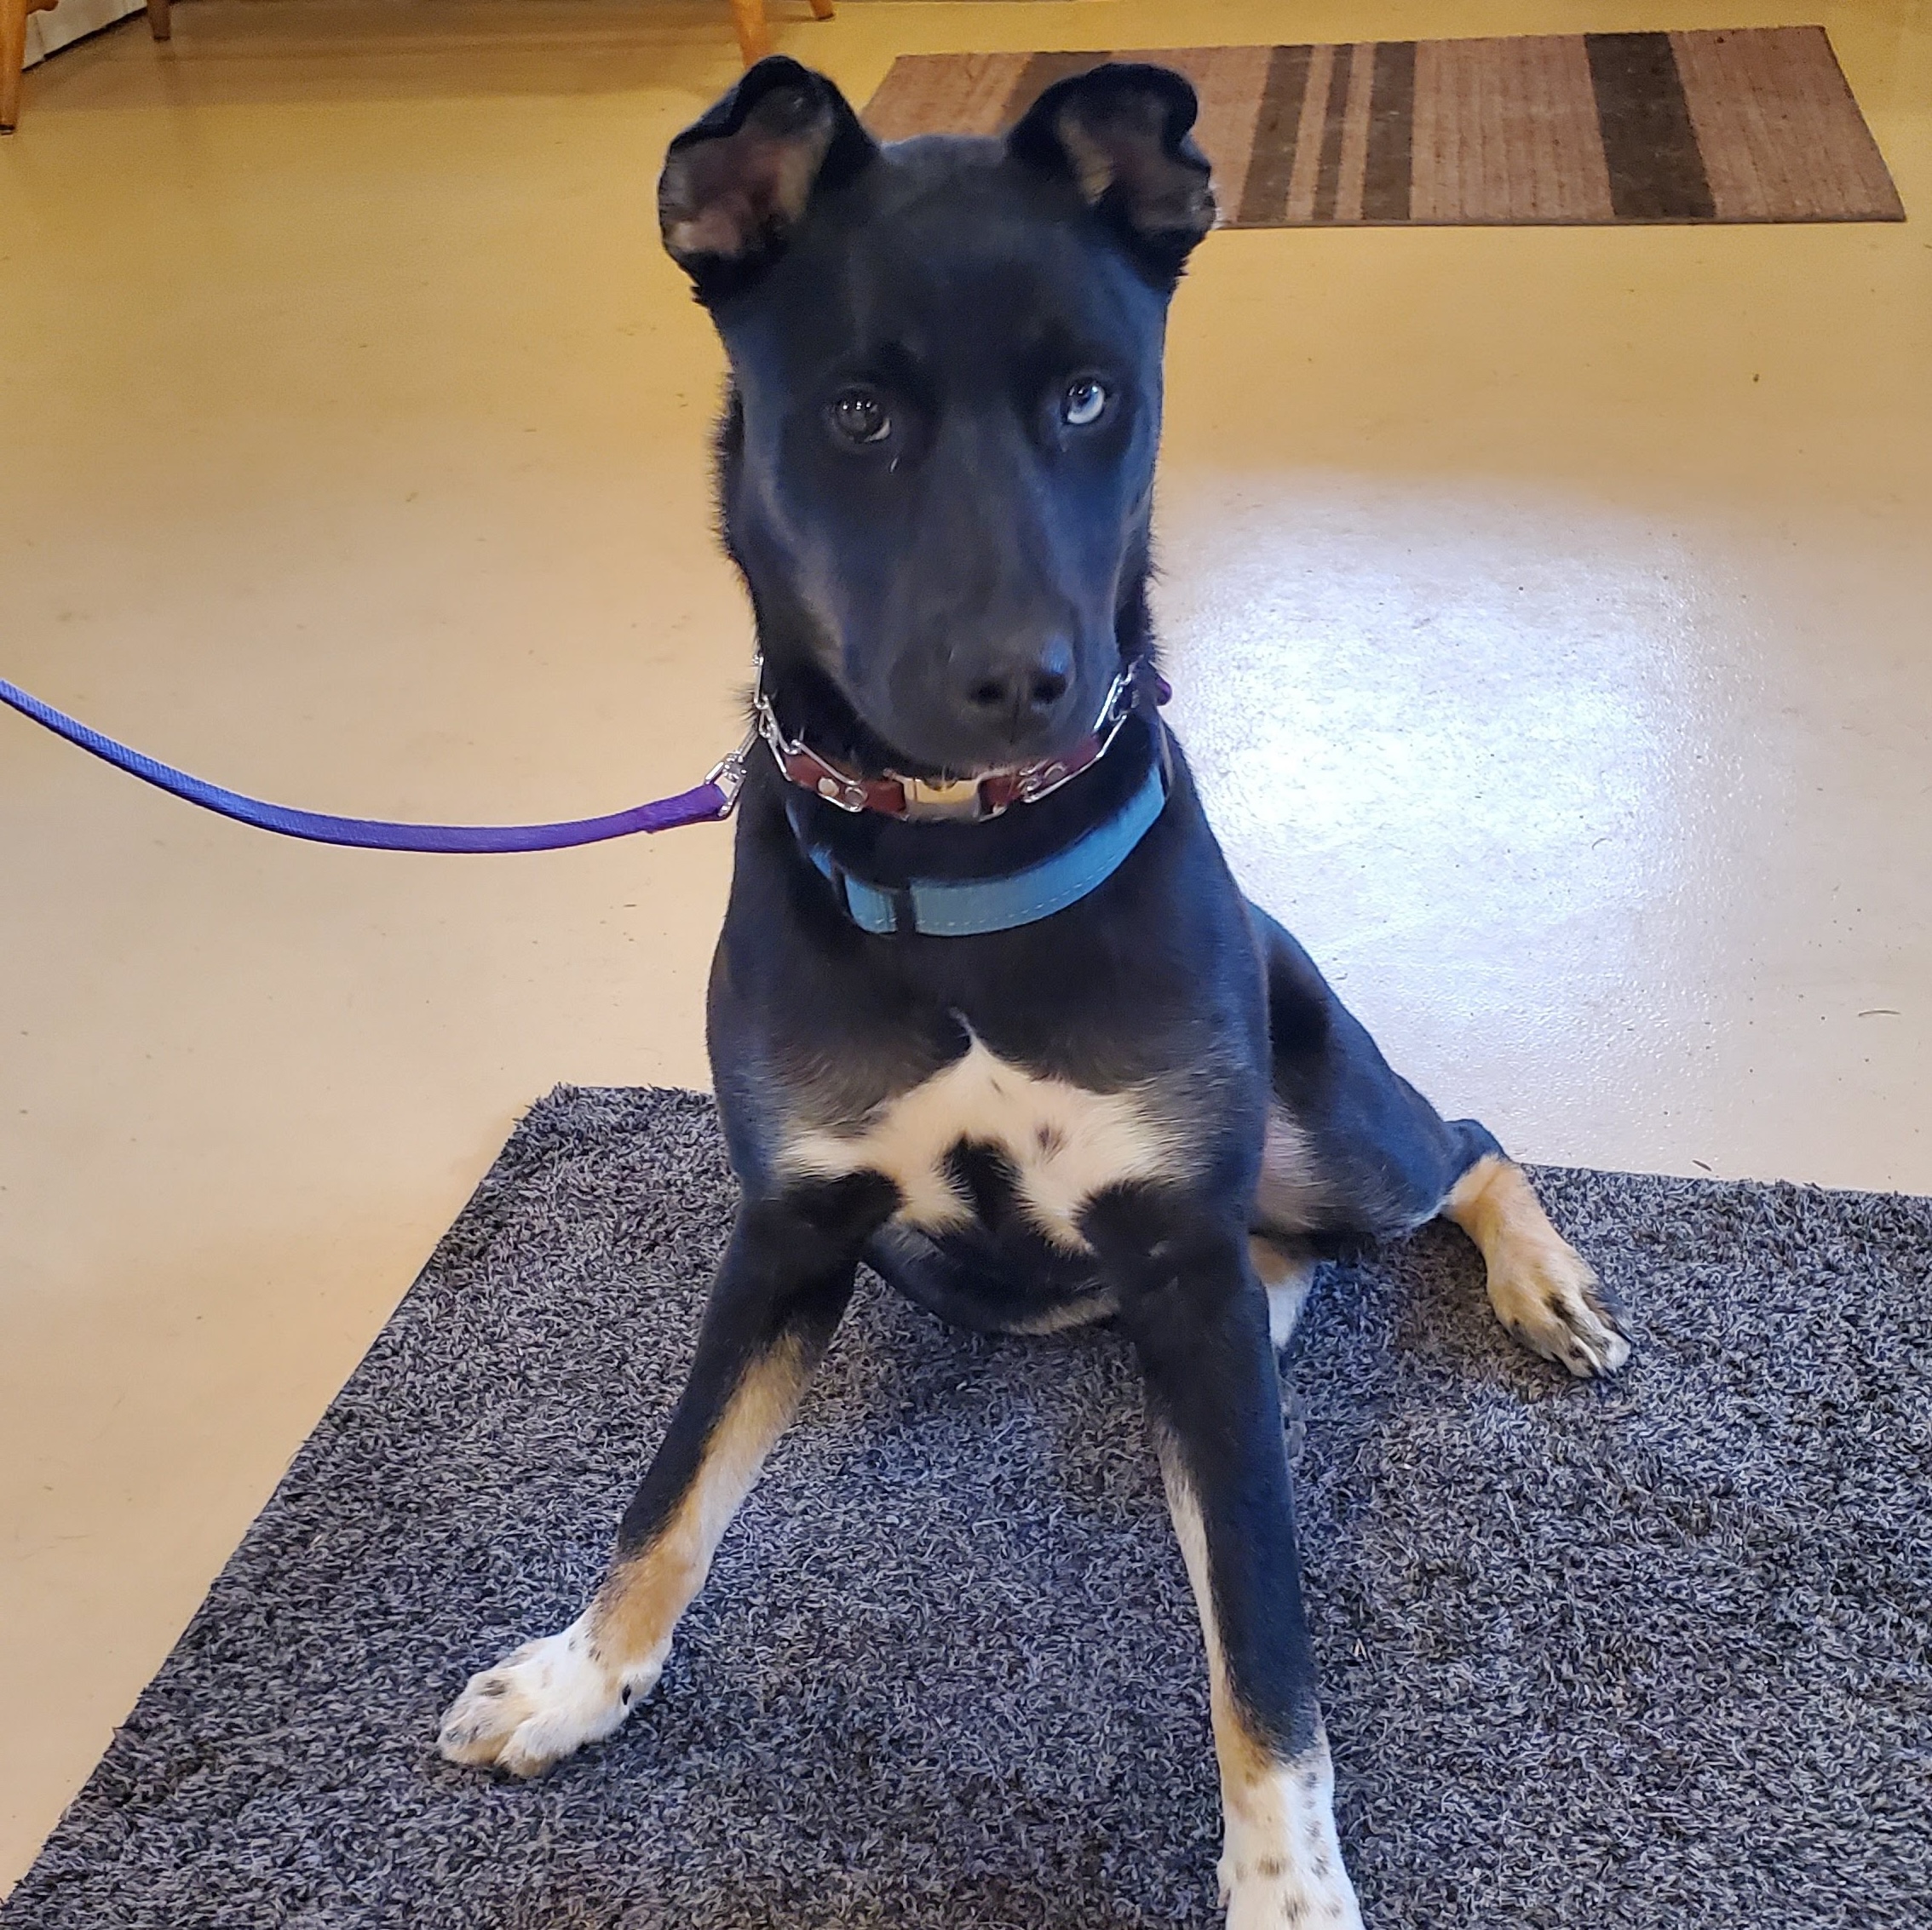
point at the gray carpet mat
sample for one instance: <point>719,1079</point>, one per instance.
<point>1647,1655</point>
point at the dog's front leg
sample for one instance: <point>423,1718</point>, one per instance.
<point>782,1287</point>
<point>1198,1316</point>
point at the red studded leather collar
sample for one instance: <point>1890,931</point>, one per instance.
<point>985,797</point>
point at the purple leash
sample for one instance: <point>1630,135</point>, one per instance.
<point>702,804</point>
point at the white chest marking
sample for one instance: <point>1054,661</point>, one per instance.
<point>1064,1143</point>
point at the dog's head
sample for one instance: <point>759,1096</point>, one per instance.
<point>947,385</point>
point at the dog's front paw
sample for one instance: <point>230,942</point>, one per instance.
<point>1548,1295</point>
<point>535,1706</point>
<point>1281,1862</point>
<point>1274,1891</point>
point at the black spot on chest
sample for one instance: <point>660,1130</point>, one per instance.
<point>987,1180</point>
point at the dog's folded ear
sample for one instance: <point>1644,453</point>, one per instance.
<point>736,183</point>
<point>1121,131</point>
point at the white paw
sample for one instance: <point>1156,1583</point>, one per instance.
<point>1282,1867</point>
<point>549,1698</point>
<point>1281,1894</point>
<point>1546,1294</point>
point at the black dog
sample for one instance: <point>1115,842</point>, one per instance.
<point>989,1012</point>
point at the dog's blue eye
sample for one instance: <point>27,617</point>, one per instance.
<point>859,416</point>
<point>1083,402</point>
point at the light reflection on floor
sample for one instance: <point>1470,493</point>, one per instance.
<point>1520,773</point>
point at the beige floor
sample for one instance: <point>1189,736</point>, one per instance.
<point>1549,609</point>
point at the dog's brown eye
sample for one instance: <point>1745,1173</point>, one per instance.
<point>859,416</point>
<point>1083,402</point>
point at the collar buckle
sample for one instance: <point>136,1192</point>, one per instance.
<point>944,797</point>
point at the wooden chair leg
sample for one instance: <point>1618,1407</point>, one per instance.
<point>821,9</point>
<point>748,16</point>
<point>158,24</point>
<point>13,53</point>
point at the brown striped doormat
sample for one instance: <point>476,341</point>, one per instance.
<point>1750,124</point>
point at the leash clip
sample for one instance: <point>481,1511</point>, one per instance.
<point>728,774</point>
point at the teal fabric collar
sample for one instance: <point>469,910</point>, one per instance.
<point>946,908</point>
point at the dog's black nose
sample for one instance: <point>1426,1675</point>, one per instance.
<point>1024,692</point>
